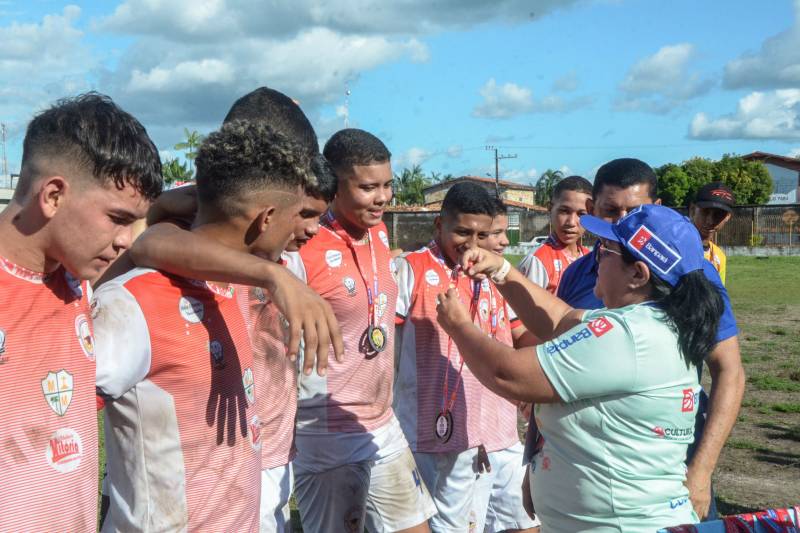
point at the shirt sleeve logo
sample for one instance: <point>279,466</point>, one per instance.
<point>57,388</point>
<point>600,326</point>
<point>84,333</point>
<point>687,405</point>
<point>333,258</point>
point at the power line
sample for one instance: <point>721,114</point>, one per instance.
<point>497,158</point>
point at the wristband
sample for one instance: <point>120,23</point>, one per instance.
<point>499,277</point>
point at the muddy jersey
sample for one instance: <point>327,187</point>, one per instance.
<point>428,360</point>
<point>546,264</point>
<point>182,436</point>
<point>276,378</point>
<point>355,396</point>
<point>48,464</point>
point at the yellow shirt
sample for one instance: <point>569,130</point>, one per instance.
<point>716,256</point>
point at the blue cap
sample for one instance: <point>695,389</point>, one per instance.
<point>664,239</point>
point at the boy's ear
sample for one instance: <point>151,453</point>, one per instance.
<point>590,206</point>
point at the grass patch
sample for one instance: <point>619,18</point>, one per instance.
<point>765,382</point>
<point>777,331</point>
<point>785,407</point>
<point>740,444</point>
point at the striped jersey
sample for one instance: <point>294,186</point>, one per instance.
<point>182,437</point>
<point>547,263</point>
<point>276,378</point>
<point>427,355</point>
<point>355,396</point>
<point>48,468</point>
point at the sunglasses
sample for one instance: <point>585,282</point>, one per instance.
<point>604,251</point>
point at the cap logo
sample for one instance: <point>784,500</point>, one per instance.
<point>654,250</point>
<point>722,193</point>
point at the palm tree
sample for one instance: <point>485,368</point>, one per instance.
<point>409,185</point>
<point>192,142</point>
<point>173,170</point>
<point>545,185</point>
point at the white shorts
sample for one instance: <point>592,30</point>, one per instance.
<point>276,487</point>
<point>498,501</point>
<point>453,480</point>
<point>384,495</point>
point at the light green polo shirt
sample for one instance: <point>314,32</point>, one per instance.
<point>615,449</point>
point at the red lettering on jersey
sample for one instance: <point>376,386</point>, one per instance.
<point>64,448</point>
<point>687,405</point>
<point>600,326</point>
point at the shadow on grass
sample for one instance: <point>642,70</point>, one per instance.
<point>726,508</point>
<point>776,431</point>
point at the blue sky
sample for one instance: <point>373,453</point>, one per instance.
<point>561,83</point>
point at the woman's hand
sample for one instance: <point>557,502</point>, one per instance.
<point>481,264</point>
<point>451,313</point>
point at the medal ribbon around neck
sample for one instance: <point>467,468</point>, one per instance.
<point>372,292</point>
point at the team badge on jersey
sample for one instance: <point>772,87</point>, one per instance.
<point>217,355</point>
<point>384,238</point>
<point>249,385</point>
<point>432,278</point>
<point>333,258</point>
<point>57,388</point>
<point>84,334</point>
<point>254,433</point>
<point>192,309</point>
<point>349,284</point>
<point>64,450</point>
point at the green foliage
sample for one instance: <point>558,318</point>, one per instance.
<point>750,180</point>
<point>767,382</point>
<point>190,145</point>
<point>545,185</point>
<point>408,185</point>
<point>173,170</point>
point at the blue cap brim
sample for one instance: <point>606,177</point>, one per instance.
<point>601,228</point>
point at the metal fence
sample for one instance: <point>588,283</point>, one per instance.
<point>762,225</point>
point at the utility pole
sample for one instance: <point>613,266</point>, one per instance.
<point>346,105</point>
<point>497,158</point>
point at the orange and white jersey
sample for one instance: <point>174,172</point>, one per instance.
<point>547,263</point>
<point>276,378</point>
<point>183,443</point>
<point>355,396</point>
<point>48,428</point>
<point>427,355</point>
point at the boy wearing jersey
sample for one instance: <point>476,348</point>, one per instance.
<point>710,211</point>
<point>441,406</point>
<point>88,171</point>
<point>546,264</point>
<point>182,435</point>
<point>499,506</point>
<point>353,468</point>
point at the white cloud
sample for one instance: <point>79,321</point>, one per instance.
<point>759,115</point>
<point>794,152</point>
<point>521,175</point>
<point>775,65</point>
<point>566,83</point>
<point>565,170</point>
<point>661,82</point>
<point>511,100</point>
<point>413,156</point>
<point>455,151</point>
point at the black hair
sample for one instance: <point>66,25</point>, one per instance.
<point>469,198</point>
<point>244,157</point>
<point>279,111</point>
<point>624,173</point>
<point>90,131</point>
<point>693,308</point>
<point>326,179</point>
<point>351,147</point>
<point>571,183</point>
<point>499,207</point>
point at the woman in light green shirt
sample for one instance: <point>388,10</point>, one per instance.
<point>616,388</point>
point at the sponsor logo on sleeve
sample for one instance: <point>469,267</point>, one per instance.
<point>333,258</point>
<point>432,278</point>
<point>600,326</point>
<point>349,284</point>
<point>84,333</point>
<point>191,309</point>
<point>57,388</point>
<point>64,450</point>
<point>596,328</point>
<point>654,250</point>
<point>249,385</point>
<point>689,401</point>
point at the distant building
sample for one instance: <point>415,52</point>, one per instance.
<point>785,173</point>
<point>515,195</point>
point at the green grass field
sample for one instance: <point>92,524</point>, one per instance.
<point>760,465</point>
